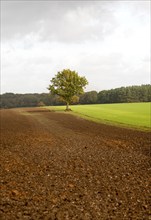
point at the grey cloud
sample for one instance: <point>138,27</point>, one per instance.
<point>52,20</point>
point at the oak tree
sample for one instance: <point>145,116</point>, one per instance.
<point>67,85</point>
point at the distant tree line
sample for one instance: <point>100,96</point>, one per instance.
<point>119,95</point>
<point>126,94</point>
<point>11,100</point>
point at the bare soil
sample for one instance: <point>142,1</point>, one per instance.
<point>57,166</point>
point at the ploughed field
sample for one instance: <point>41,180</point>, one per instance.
<point>57,166</point>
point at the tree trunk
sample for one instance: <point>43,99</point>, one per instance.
<point>67,106</point>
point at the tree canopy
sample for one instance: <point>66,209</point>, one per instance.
<point>68,85</point>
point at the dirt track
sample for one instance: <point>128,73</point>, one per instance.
<point>56,166</point>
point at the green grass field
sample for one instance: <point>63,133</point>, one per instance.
<point>136,115</point>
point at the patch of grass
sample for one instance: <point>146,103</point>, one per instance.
<point>136,115</point>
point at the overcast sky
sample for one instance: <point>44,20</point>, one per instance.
<point>108,42</point>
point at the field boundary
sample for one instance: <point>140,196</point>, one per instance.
<point>106,116</point>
